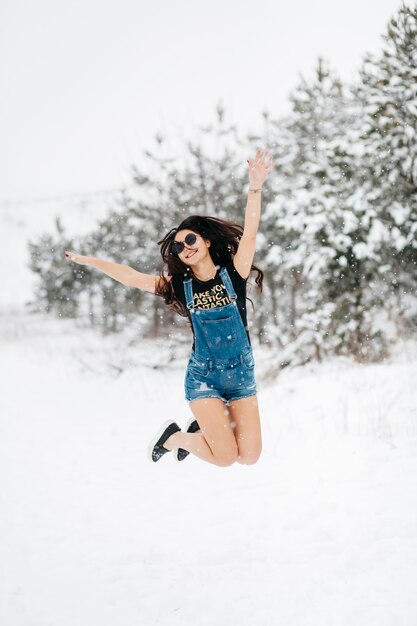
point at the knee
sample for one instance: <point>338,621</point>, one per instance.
<point>226,457</point>
<point>249,458</point>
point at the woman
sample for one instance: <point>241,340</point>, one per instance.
<point>209,261</point>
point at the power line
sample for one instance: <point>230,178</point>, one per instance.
<point>71,196</point>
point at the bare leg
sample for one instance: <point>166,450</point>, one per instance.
<point>215,442</point>
<point>245,415</point>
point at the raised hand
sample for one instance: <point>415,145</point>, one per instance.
<point>259,169</point>
<point>77,258</point>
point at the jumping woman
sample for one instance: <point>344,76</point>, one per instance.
<point>209,261</point>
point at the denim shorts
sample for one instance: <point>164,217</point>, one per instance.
<point>228,380</point>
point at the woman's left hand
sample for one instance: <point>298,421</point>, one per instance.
<point>259,169</point>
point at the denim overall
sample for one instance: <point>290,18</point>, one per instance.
<point>222,364</point>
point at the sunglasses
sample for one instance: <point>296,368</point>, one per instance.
<point>178,246</point>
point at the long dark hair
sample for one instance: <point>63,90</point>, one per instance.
<point>224,237</point>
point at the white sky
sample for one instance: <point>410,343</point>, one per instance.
<point>85,85</point>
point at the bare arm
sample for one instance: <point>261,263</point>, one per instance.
<point>146,282</point>
<point>122,273</point>
<point>247,245</point>
<point>258,171</point>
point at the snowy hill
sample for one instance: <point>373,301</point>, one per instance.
<point>322,531</point>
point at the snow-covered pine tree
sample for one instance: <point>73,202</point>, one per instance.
<point>59,286</point>
<point>306,221</point>
<point>208,179</point>
<point>387,91</point>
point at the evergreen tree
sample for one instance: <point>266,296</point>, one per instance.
<point>59,282</point>
<point>208,180</point>
<point>309,220</point>
<point>388,94</point>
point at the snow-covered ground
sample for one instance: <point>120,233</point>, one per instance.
<point>322,531</point>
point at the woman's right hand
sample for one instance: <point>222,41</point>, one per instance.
<point>77,258</point>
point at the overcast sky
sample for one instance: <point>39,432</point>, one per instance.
<point>85,85</point>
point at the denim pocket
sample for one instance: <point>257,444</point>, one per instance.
<point>197,369</point>
<point>219,332</point>
<point>248,360</point>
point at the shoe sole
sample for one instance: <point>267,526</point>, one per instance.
<point>155,439</point>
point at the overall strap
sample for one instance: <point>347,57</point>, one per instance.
<point>188,290</point>
<point>228,283</point>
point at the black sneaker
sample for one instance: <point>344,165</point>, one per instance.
<point>156,448</point>
<point>191,427</point>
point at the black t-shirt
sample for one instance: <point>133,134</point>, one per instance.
<point>210,294</point>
